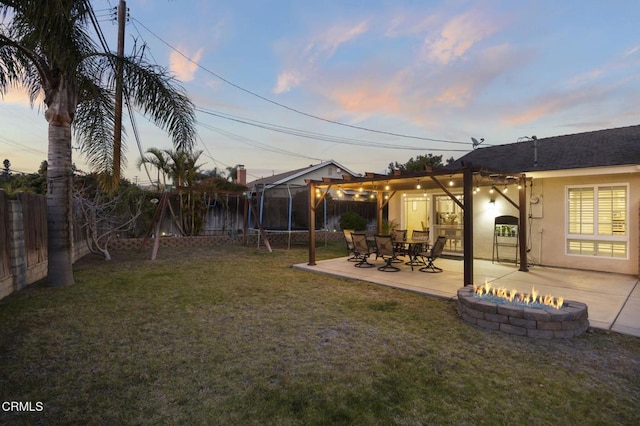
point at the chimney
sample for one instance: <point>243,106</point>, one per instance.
<point>242,175</point>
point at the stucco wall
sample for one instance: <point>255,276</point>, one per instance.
<point>546,222</point>
<point>548,226</point>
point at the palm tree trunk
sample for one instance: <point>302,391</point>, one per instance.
<point>59,194</point>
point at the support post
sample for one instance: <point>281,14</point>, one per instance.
<point>522,228</point>
<point>312,224</point>
<point>467,188</point>
<point>245,219</point>
<point>380,206</point>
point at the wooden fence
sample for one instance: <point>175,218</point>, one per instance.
<point>23,242</point>
<point>34,219</point>
<point>5,237</point>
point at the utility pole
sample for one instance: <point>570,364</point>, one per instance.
<point>117,128</point>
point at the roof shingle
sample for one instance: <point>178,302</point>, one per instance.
<point>610,147</point>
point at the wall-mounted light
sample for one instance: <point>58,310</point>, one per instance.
<point>492,202</point>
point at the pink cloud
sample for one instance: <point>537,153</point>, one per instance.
<point>459,35</point>
<point>19,96</point>
<point>184,68</point>
<point>555,103</point>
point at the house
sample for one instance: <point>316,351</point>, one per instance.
<point>282,199</point>
<point>583,193</point>
<point>566,201</point>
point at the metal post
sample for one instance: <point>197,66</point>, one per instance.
<point>312,224</point>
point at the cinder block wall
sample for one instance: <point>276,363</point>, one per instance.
<point>276,239</point>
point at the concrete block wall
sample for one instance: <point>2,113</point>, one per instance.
<point>276,239</point>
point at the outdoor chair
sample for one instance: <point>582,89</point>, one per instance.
<point>433,254</point>
<point>422,236</point>
<point>349,241</point>
<point>386,249</point>
<point>399,236</point>
<point>361,250</point>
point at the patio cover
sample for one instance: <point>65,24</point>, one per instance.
<point>386,186</point>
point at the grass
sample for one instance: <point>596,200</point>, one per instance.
<point>235,336</point>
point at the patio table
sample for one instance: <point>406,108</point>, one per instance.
<point>415,246</point>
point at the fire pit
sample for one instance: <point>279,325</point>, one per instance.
<point>522,314</point>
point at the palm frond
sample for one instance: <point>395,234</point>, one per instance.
<point>161,97</point>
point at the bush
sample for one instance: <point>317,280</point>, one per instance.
<point>352,220</point>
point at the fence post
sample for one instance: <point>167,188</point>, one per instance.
<point>17,251</point>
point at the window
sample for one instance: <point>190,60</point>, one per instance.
<point>597,221</point>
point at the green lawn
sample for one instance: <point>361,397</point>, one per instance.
<point>235,336</point>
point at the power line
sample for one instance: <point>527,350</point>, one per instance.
<point>256,144</point>
<point>319,136</point>
<point>21,147</point>
<point>400,135</point>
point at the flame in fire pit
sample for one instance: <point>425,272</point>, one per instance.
<point>514,296</point>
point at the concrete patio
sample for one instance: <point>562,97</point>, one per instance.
<point>613,299</point>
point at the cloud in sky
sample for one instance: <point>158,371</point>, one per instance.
<point>184,69</point>
<point>458,36</point>
<point>442,69</point>
<point>303,60</point>
<point>19,96</point>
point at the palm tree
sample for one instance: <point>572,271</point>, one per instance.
<point>184,172</point>
<point>160,160</point>
<point>232,173</point>
<point>46,47</point>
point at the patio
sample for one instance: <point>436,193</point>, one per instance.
<point>613,299</point>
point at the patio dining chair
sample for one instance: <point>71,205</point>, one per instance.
<point>433,254</point>
<point>422,236</point>
<point>361,249</point>
<point>349,242</point>
<point>399,236</point>
<point>385,248</point>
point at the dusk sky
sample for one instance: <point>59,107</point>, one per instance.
<point>443,71</point>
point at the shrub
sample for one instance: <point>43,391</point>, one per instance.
<point>352,220</point>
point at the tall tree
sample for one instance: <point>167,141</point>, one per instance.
<point>46,47</point>
<point>232,173</point>
<point>418,165</point>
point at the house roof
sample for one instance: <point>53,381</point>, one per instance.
<point>610,147</point>
<point>283,178</point>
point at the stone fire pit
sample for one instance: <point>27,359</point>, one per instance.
<point>569,321</point>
